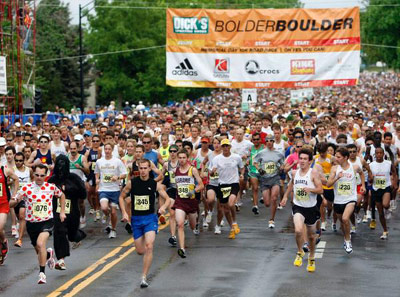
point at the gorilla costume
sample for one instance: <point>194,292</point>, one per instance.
<point>74,189</point>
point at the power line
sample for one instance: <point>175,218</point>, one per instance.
<point>102,54</point>
<point>161,46</point>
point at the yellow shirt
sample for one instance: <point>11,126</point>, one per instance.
<point>326,167</point>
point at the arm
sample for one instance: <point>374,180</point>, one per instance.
<point>164,195</point>
<point>85,167</point>
<point>30,162</point>
<point>160,159</point>
<point>15,180</point>
<point>288,191</point>
<point>62,212</point>
<point>362,177</point>
<point>317,182</point>
<point>157,171</point>
<point>332,177</point>
<point>200,185</point>
<point>125,192</point>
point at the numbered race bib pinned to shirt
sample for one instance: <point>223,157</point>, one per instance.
<point>380,183</point>
<point>67,206</point>
<point>142,203</point>
<point>226,192</point>
<point>344,188</point>
<point>302,195</point>
<point>183,190</point>
<point>172,177</point>
<point>107,178</point>
<point>270,168</point>
<point>40,210</point>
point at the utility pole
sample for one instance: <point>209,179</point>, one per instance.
<point>81,61</point>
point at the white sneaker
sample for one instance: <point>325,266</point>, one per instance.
<point>205,224</point>
<point>222,223</point>
<point>353,230</point>
<point>388,214</point>
<point>91,211</point>
<point>365,219</point>
<point>50,261</point>
<point>348,247</point>
<point>113,234</point>
<point>82,222</point>
<point>358,218</point>
<point>97,216</point>
<point>271,224</point>
<point>104,219</point>
<point>14,230</point>
<point>209,217</point>
<point>217,229</point>
<point>203,213</point>
<point>323,226</point>
<point>279,207</point>
<point>196,230</point>
<point>369,215</point>
<point>240,203</point>
<point>42,278</point>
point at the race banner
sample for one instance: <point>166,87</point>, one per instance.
<point>3,76</point>
<point>263,48</point>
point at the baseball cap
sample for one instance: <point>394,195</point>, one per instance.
<point>78,137</point>
<point>205,139</point>
<point>225,142</point>
<point>28,124</point>
<point>17,124</point>
<point>87,133</point>
<point>269,137</point>
<point>2,141</point>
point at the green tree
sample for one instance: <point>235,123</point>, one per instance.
<point>381,25</point>
<point>140,75</point>
<point>57,38</point>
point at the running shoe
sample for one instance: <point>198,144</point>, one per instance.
<point>298,261</point>
<point>162,219</point>
<point>323,226</point>
<point>388,214</point>
<point>279,207</point>
<point>128,228</point>
<point>42,278</point>
<point>107,229</point>
<point>3,252</point>
<point>306,247</point>
<point>237,207</point>
<point>104,219</point>
<point>50,260</point>
<point>372,224</point>
<point>232,234</point>
<point>113,234</point>
<point>91,211</point>
<point>319,233</point>
<point>262,200</point>
<point>144,283</point>
<point>209,217</point>
<point>75,245</point>
<point>222,223</point>
<point>97,216</point>
<point>18,243</point>
<point>14,230</point>
<point>348,247</point>
<point>217,229</point>
<point>353,230</point>
<point>385,235</point>
<point>369,215</point>
<point>82,222</point>
<point>235,227</point>
<point>196,230</point>
<point>334,229</point>
<point>186,223</point>
<point>60,265</point>
<point>182,253</point>
<point>172,241</point>
<point>311,265</point>
<point>365,219</point>
<point>271,224</point>
<point>205,224</point>
<point>255,210</point>
<point>240,203</point>
<point>358,218</point>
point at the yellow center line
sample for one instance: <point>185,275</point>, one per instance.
<point>92,267</point>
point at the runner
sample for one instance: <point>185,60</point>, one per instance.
<point>144,221</point>
<point>185,203</point>
<point>109,171</point>
<point>227,165</point>
<point>93,156</point>
<point>305,185</point>
<point>38,197</point>
<point>343,178</point>
<point>269,163</point>
<point>253,172</point>
<point>379,174</point>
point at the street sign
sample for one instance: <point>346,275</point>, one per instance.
<point>249,96</point>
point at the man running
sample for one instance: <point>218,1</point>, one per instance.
<point>144,221</point>
<point>306,185</point>
<point>343,178</point>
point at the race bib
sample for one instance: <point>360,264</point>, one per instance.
<point>107,178</point>
<point>183,190</point>
<point>327,176</point>
<point>40,210</point>
<point>344,188</point>
<point>93,165</point>
<point>380,183</point>
<point>270,168</point>
<point>67,206</point>
<point>172,177</point>
<point>142,203</point>
<point>226,192</point>
<point>302,195</point>
<point>1,190</point>
<point>216,176</point>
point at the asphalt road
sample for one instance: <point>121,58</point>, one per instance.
<point>259,262</point>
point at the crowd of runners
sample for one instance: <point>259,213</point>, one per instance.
<point>334,157</point>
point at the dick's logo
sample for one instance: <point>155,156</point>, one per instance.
<point>191,25</point>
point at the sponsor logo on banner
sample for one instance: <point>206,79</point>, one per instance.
<point>221,68</point>
<point>302,67</point>
<point>185,68</point>
<point>190,25</point>
<point>252,67</point>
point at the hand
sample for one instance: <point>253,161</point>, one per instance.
<point>161,211</point>
<point>62,216</point>
<point>77,166</point>
<point>283,202</point>
<point>307,190</point>
<point>125,217</point>
<point>261,171</point>
<point>340,175</point>
<point>363,190</point>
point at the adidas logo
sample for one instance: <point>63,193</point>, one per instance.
<point>185,68</point>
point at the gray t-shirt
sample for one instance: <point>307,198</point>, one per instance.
<point>270,161</point>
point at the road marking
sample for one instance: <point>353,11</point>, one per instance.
<point>84,283</point>
<point>319,250</point>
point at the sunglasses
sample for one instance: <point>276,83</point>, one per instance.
<point>298,137</point>
<point>269,140</point>
<point>139,128</point>
<point>352,151</point>
<point>146,142</point>
<point>9,140</point>
<point>225,145</point>
<point>299,146</point>
<point>40,175</point>
<point>95,140</point>
<point>19,160</point>
<point>256,139</point>
<point>44,142</point>
<point>26,140</point>
<point>173,151</point>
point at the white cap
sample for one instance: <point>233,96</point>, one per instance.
<point>120,117</point>
<point>17,124</point>
<point>140,131</point>
<point>2,141</point>
<point>28,124</point>
<point>78,137</point>
<point>370,124</point>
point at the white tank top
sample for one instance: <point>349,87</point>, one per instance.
<point>58,150</point>
<point>301,197</point>
<point>359,164</point>
<point>280,147</point>
<point>24,177</point>
<point>345,188</point>
<point>381,172</point>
